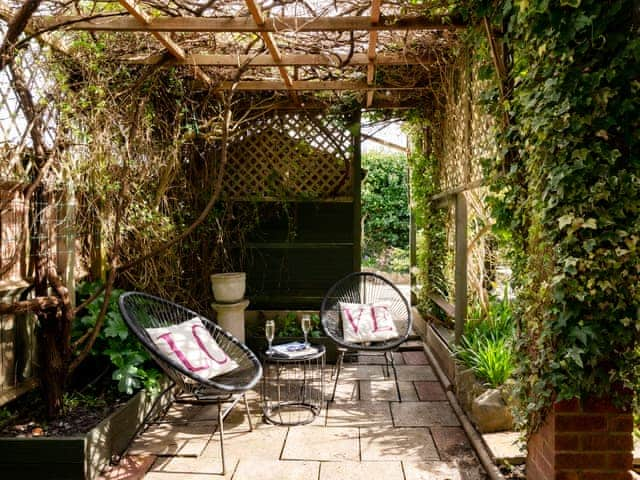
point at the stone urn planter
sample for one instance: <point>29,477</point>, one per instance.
<point>228,290</point>
<point>228,287</point>
<point>230,317</point>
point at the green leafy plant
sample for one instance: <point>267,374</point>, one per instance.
<point>289,326</point>
<point>487,343</point>
<point>492,359</point>
<point>132,365</point>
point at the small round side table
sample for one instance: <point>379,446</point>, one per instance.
<point>293,387</point>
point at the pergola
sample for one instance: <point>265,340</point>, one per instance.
<point>387,53</point>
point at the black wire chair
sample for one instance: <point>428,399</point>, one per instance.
<point>141,311</point>
<point>365,288</point>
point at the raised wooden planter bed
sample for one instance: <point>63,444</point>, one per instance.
<point>80,457</point>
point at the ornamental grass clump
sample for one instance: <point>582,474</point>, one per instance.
<point>487,344</point>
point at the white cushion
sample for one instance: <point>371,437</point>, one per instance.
<point>367,323</point>
<point>191,345</point>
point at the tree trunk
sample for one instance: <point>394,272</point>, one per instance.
<point>53,364</point>
<point>53,345</point>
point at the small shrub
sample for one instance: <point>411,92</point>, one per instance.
<point>132,364</point>
<point>490,358</point>
<point>487,343</point>
<point>289,326</point>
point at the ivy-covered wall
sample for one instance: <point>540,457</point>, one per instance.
<point>564,180</point>
<point>567,191</point>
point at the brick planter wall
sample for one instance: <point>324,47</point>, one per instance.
<point>582,440</point>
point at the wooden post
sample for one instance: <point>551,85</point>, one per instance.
<point>461,265</point>
<point>413,255</point>
<point>356,174</point>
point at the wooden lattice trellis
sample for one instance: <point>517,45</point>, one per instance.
<point>291,155</point>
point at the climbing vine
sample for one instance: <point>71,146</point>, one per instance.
<point>567,190</point>
<point>430,220</point>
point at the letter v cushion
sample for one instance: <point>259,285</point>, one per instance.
<point>191,345</point>
<point>367,323</point>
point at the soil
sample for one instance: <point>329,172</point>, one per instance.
<point>25,417</point>
<point>513,472</point>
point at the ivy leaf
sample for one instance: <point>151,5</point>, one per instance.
<point>574,354</point>
<point>565,220</point>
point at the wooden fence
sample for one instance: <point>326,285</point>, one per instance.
<point>17,345</point>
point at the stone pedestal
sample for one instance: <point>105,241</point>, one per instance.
<point>582,440</point>
<point>230,317</point>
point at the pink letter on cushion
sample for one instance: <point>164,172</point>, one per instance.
<point>224,360</point>
<point>375,321</point>
<point>350,318</point>
<point>181,356</point>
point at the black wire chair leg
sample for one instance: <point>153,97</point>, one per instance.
<point>246,406</point>
<point>386,372</point>
<point>221,428</point>
<point>338,367</point>
<point>395,376</point>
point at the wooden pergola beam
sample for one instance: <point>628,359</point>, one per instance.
<point>371,49</point>
<point>286,59</point>
<point>167,42</point>
<point>312,85</point>
<point>249,25</point>
<point>267,38</point>
<point>383,142</point>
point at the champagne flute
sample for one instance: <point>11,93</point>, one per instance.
<point>306,328</point>
<point>269,332</point>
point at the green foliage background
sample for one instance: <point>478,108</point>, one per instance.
<point>385,207</point>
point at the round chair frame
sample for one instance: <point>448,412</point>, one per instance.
<point>365,288</point>
<point>141,311</point>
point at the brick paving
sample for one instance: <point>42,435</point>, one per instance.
<point>365,434</point>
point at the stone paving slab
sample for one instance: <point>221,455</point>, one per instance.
<point>398,359</point>
<point>180,431</point>
<point>415,358</point>
<point>414,373</point>
<point>442,471</point>
<point>411,444</point>
<point>423,414</point>
<point>276,470</point>
<point>167,446</point>
<point>430,392</point>
<point>385,390</point>
<point>199,466</point>
<point>506,447</point>
<point>130,467</point>
<point>361,372</point>
<point>358,414</point>
<point>322,443</point>
<point>264,443</point>
<point>346,391</point>
<point>361,471</point>
<point>184,476</point>
<point>452,443</point>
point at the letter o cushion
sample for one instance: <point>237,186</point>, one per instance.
<point>191,345</point>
